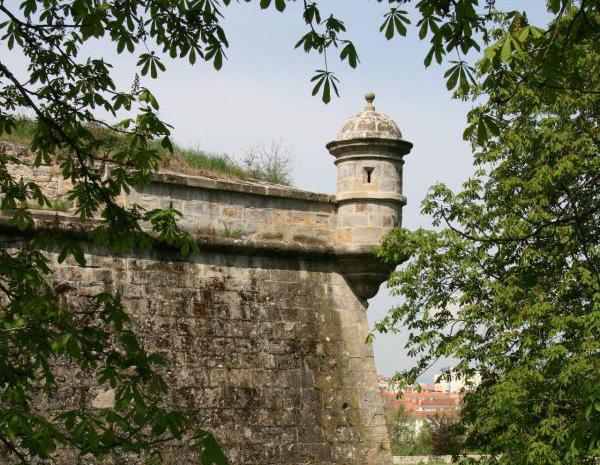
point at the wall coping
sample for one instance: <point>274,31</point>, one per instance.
<point>252,187</point>
<point>244,186</point>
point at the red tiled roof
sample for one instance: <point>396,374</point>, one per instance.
<point>424,404</point>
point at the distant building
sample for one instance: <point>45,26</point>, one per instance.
<point>426,404</point>
<point>447,381</point>
<point>386,384</point>
<point>438,399</point>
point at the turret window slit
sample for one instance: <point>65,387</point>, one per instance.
<point>368,174</point>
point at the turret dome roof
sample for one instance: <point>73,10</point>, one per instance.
<point>369,124</point>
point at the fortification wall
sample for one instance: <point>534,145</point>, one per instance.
<point>265,326</point>
<point>248,210</point>
<point>269,350</point>
<point>265,332</point>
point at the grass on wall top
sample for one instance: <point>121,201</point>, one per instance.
<point>192,161</point>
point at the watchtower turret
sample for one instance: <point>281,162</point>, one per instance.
<point>368,154</point>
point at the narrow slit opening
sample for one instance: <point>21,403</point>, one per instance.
<point>368,173</point>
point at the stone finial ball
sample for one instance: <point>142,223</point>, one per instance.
<point>369,97</point>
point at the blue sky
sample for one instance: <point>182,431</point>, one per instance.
<point>263,92</point>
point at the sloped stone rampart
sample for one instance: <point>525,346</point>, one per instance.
<point>269,350</point>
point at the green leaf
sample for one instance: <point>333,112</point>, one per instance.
<point>21,218</point>
<point>349,52</point>
<point>429,57</point>
<point>327,91</point>
<point>482,134</point>
<point>211,452</point>
<point>554,6</point>
<point>280,5</point>
<point>423,29</point>
<point>453,75</point>
<point>399,25</point>
<point>320,79</point>
<point>218,62</point>
<point>536,32</point>
<point>74,249</point>
<point>388,25</point>
<point>506,50</point>
<point>469,131</point>
<point>491,52</point>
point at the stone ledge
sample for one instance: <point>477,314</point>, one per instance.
<point>395,147</point>
<point>242,186</point>
<point>71,226</point>
<point>371,195</point>
<point>363,272</point>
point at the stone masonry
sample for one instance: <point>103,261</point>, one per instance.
<point>266,326</point>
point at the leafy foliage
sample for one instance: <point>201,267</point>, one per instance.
<point>40,328</point>
<point>509,284</point>
<point>439,435</point>
<point>445,436</point>
<point>403,438</point>
<point>269,161</point>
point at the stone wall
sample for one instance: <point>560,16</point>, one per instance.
<point>265,326</point>
<point>248,210</point>
<point>243,209</point>
<point>269,349</point>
